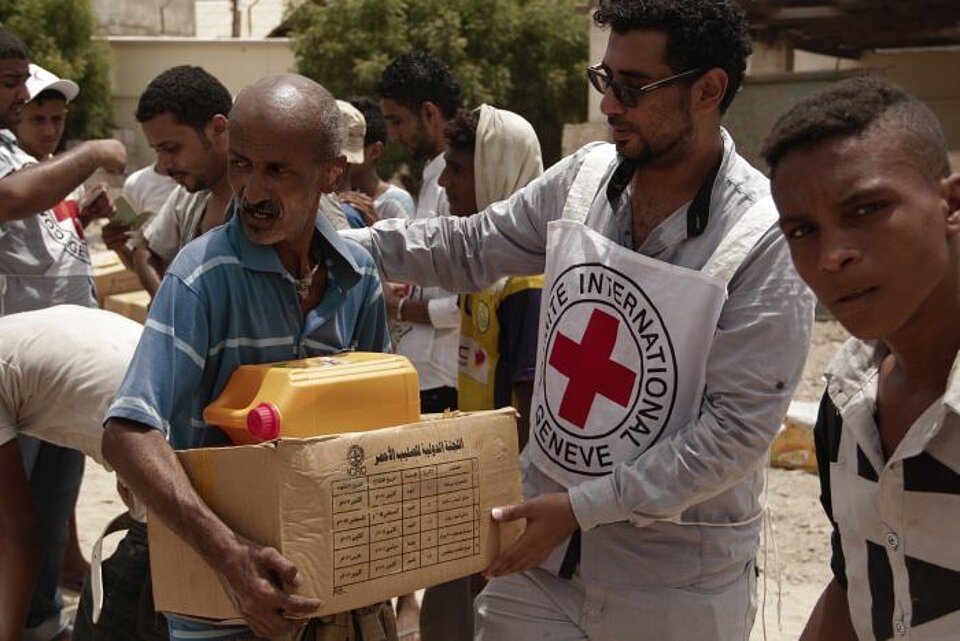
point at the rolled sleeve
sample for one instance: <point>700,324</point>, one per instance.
<point>464,254</point>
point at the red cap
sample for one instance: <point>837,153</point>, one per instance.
<point>263,422</point>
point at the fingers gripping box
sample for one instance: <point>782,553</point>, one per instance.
<point>364,516</point>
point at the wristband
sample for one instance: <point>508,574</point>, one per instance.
<point>400,303</point>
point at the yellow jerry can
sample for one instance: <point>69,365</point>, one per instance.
<point>345,392</point>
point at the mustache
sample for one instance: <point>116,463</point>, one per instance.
<point>614,121</point>
<point>263,208</point>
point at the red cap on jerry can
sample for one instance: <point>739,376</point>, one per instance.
<point>263,422</point>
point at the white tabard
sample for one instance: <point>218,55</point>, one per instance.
<point>623,340</point>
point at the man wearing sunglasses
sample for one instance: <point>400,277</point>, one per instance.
<point>673,332</point>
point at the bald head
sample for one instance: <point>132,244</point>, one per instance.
<point>293,107</point>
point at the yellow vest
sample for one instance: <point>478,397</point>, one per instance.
<point>479,352</point>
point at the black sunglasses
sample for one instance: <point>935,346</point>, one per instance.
<point>625,94</point>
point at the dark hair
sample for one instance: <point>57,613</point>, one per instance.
<point>461,131</point>
<point>701,34</point>
<point>48,94</point>
<point>12,47</point>
<point>852,108</point>
<point>376,124</point>
<point>190,94</point>
<point>417,77</point>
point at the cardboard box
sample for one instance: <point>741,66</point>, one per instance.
<point>111,277</point>
<point>133,305</point>
<point>364,516</point>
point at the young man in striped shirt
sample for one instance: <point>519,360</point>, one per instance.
<point>872,217</point>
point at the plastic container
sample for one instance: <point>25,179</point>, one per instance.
<point>346,392</point>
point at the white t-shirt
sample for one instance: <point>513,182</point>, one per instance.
<point>177,222</point>
<point>147,190</point>
<point>59,370</point>
<point>432,348</point>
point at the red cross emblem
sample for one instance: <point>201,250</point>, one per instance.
<point>590,370</point>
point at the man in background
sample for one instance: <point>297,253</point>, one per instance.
<point>183,113</point>
<point>418,95</point>
<point>490,154</point>
<point>389,200</point>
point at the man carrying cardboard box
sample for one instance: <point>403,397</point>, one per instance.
<point>275,283</point>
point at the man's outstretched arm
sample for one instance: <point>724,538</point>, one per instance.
<point>39,187</point>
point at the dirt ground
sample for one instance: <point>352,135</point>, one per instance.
<point>799,536</point>
<point>798,539</point>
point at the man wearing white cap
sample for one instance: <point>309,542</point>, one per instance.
<point>353,127</point>
<point>342,209</point>
<point>43,257</point>
<point>44,118</point>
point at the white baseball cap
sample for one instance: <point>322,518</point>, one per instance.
<point>40,80</point>
<point>353,127</point>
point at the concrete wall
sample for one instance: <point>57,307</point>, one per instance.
<point>257,18</point>
<point>144,17</point>
<point>932,76</point>
<point>199,18</point>
<point>137,61</point>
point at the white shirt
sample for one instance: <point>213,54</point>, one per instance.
<point>895,519</point>
<point>147,190</point>
<point>177,222</point>
<point>59,370</point>
<point>433,348</point>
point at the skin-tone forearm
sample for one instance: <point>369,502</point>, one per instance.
<point>257,579</point>
<point>149,268</point>
<point>39,187</point>
<point>830,619</point>
<point>416,311</point>
<point>20,543</point>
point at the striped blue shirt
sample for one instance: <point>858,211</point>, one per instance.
<point>225,302</point>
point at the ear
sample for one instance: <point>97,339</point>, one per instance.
<point>374,151</point>
<point>334,172</point>
<point>216,129</point>
<point>950,189</point>
<point>709,89</point>
<point>430,113</point>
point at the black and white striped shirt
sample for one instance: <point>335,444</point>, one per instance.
<point>896,539</point>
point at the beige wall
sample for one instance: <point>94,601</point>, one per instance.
<point>145,17</point>
<point>932,76</point>
<point>138,60</point>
